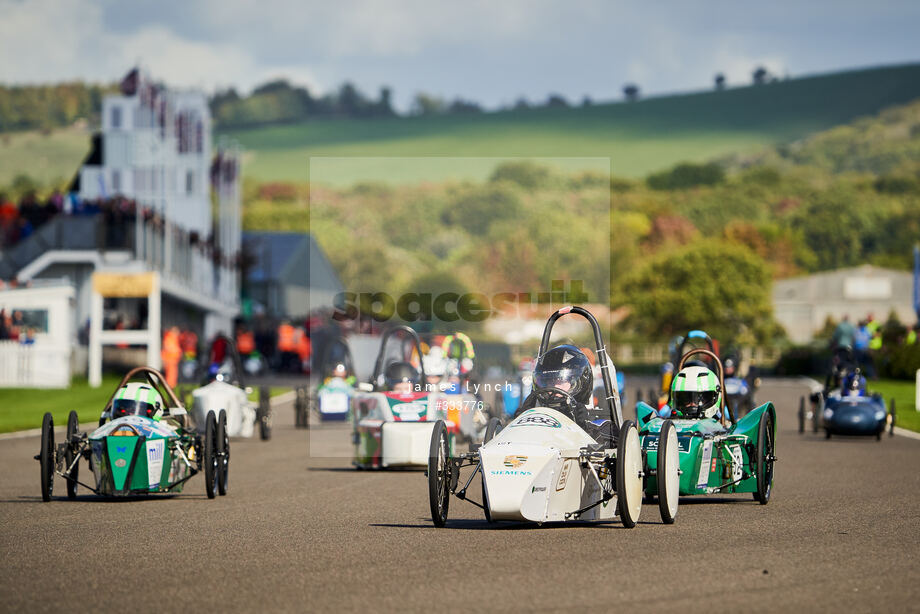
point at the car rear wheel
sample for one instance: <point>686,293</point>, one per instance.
<point>894,418</point>
<point>439,474</point>
<point>667,472</point>
<point>210,455</point>
<point>73,425</point>
<point>223,467</point>
<point>629,479</point>
<point>264,413</point>
<point>493,428</point>
<point>765,458</point>
<point>46,456</point>
<point>817,410</point>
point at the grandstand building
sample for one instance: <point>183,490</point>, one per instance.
<point>151,232</point>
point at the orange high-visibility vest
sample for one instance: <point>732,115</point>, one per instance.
<point>286,341</point>
<point>246,343</point>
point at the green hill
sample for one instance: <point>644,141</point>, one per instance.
<point>638,137</point>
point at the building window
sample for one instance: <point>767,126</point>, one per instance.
<point>116,181</point>
<point>189,182</point>
<point>116,117</point>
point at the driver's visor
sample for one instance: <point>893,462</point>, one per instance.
<point>685,399</point>
<point>557,378</point>
<point>130,407</point>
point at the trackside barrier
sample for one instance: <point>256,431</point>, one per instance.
<point>917,392</point>
<point>33,366</point>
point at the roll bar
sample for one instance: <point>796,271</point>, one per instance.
<point>378,366</point>
<point>683,360</point>
<point>155,379</point>
<point>613,395</point>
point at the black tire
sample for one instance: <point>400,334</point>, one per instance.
<point>46,457</point>
<point>493,428</point>
<point>816,416</point>
<point>894,419</point>
<point>439,474</point>
<point>629,464</point>
<point>802,415</point>
<point>223,442</point>
<point>264,414</point>
<point>765,458</point>
<point>827,433</point>
<point>73,426</point>
<point>209,457</point>
<point>667,472</point>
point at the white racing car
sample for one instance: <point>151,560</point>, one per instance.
<point>546,467</point>
<point>395,412</point>
<point>225,390</point>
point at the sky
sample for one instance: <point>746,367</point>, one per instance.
<point>490,51</point>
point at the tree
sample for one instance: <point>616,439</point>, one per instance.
<point>427,104</point>
<point>687,175</point>
<point>631,92</point>
<point>385,104</point>
<point>720,81</point>
<point>719,287</point>
<point>760,75</point>
<point>556,101</point>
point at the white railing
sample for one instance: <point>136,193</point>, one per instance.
<point>33,366</point>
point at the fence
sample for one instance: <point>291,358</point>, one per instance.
<point>657,353</point>
<point>33,366</point>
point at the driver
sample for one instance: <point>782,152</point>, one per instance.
<point>695,394</point>
<point>401,378</point>
<point>340,371</point>
<point>564,368</point>
<point>134,399</point>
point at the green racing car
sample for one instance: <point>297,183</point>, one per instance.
<point>715,452</point>
<point>146,443</point>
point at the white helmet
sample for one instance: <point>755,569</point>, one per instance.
<point>435,363</point>
<point>136,399</point>
<point>696,393</point>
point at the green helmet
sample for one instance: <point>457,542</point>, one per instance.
<point>695,393</point>
<point>135,399</point>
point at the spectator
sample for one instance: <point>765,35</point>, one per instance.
<point>861,340</point>
<point>844,334</point>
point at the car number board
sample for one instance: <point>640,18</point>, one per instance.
<point>703,479</point>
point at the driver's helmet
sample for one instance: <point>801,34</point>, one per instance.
<point>565,368</point>
<point>340,370</point>
<point>695,393</point>
<point>729,365</point>
<point>135,399</point>
<point>399,372</point>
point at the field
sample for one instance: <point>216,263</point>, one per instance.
<point>639,137</point>
<point>904,395</point>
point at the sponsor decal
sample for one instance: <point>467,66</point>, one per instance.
<point>538,489</point>
<point>563,475</point>
<point>513,462</point>
<point>510,472</point>
<point>121,449</point>
<point>703,478</point>
<point>683,444</point>
<point>407,410</point>
<point>537,419</point>
<point>155,452</point>
<point>121,462</point>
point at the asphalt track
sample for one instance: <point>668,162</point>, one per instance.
<point>302,532</point>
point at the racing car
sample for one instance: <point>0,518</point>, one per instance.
<point>545,466</point>
<point>392,427</point>
<point>331,399</point>
<point>717,452</point>
<point>224,388</point>
<point>146,443</point>
<point>845,406</point>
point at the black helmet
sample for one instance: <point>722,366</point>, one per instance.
<point>398,372</point>
<point>567,368</point>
